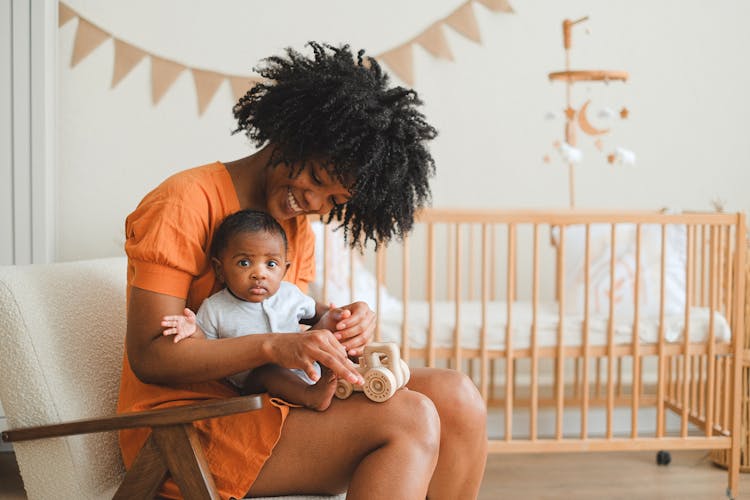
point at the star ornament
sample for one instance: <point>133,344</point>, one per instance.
<point>570,113</point>
<point>624,112</point>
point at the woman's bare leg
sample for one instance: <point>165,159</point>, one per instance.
<point>463,431</point>
<point>374,450</point>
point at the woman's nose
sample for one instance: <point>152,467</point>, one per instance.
<point>317,201</point>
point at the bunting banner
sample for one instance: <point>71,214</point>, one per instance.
<point>164,72</point>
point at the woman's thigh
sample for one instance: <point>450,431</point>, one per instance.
<point>319,452</point>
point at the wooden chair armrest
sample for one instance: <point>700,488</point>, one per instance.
<point>149,418</point>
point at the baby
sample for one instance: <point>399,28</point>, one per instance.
<point>249,253</point>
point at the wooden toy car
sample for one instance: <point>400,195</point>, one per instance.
<point>383,370</point>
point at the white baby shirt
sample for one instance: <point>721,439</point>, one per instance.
<point>223,315</point>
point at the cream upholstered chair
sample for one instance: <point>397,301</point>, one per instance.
<point>62,329</point>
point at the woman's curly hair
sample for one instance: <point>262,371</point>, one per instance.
<point>337,108</point>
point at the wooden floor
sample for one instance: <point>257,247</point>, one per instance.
<point>611,476</point>
<point>580,476</point>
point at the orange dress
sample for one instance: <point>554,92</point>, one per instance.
<point>167,241</point>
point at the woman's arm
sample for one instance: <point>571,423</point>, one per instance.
<point>155,359</point>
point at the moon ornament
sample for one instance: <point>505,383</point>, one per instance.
<point>583,122</point>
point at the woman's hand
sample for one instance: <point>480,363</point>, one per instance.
<point>303,349</point>
<point>354,326</point>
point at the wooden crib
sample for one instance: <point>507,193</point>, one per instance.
<point>521,301</point>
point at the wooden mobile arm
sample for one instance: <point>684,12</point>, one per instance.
<point>567,26</point>
<point>172,448</point>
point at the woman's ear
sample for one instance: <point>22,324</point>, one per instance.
<point>218,269</point>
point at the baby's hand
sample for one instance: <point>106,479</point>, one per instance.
<point>331,319</point>
<point>181,327</point>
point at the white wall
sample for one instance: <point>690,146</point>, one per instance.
<point>688,62</point>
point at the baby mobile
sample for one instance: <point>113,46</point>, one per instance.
<point>578,119</point>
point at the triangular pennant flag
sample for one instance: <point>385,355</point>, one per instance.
<point>88,37</point>
<point>126,57</point>
<point>464,21</point>
<point>163,75</point>
<point>240,85</point>
<point>433,40</point>
<point>497,5</point>
<point>401,62</point>
<point>206,85</point>
<point>64,14</point>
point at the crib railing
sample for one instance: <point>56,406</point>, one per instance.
<point>503,258</point>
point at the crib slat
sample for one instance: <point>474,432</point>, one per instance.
<point>430,282</point>
<point>405,344</point>
<point>686,340</point>
<point>472,250</point>
<point>636,386</point>
<point>586,332</point>
<point>727,391</point>
<point>710,396</point>
<point>723,267</point>
<point>493,266</point>
<point>661,388</point>
<point>509,364</point>
<point>703,267</point>
<point>727,285</point>
<point>702,375</point>
<point>560,359</point>
<point>351,277</point>
<point>457,351</point>
<point>694,367</point>
<point>534,407</point>
<point>379,282</point>
<point>484,357</point>
<point>611,333</point>
<point>450,260</point>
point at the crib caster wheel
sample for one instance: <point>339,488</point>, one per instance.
<point>663,458</point>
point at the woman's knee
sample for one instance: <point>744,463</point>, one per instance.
<point>415,418</point>
<point>458,400</point>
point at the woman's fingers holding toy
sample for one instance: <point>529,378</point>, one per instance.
<point>301,351</point>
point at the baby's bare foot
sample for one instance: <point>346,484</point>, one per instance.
<point>319,395</point>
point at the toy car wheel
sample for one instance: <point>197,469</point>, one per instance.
<point>343,389</point>
<point>405,371</point>
<point>380,384</point>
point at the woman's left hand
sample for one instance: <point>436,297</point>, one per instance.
<point>355,326</point>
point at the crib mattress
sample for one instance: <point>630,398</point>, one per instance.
<point>547,322</point>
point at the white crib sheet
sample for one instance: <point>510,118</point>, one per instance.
<point>547,324</point>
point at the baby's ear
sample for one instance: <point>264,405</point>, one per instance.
<point>286,268</point>
<point>218,270</point>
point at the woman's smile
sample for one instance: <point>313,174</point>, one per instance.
<point>293,202</point>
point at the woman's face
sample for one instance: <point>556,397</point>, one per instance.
<point>313,191</point>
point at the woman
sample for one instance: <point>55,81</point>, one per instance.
<point>336,141</point>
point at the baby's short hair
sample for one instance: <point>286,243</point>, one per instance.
<point>245,221</point>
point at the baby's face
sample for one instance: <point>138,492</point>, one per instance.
<point>253,265</point>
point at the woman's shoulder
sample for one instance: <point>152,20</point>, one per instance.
<point>194,190</point>
<point>205,180</point>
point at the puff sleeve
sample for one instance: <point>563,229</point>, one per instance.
<point>166,244</point>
